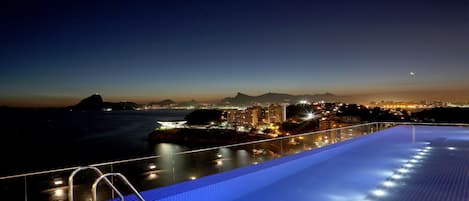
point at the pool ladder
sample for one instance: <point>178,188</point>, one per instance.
<point>101,177</point>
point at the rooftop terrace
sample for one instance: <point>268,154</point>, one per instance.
<point>375,161</point>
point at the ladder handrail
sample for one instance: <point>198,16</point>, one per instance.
<point>122,177</point>
<point>98,172</point>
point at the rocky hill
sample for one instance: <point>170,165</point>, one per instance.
<point>95,103</point>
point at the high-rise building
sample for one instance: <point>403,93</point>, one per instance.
<point>248,117</point>
<point>254,114</point>
<point>276,113</point>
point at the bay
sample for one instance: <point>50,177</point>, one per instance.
<point>43,139</point>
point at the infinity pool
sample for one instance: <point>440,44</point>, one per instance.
<point>401,163</point>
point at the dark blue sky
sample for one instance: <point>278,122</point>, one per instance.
<point>57,52</point>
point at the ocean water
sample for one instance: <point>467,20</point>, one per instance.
<point>35,140</point>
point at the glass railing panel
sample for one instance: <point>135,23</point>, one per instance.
<point>13,189</point>
<point>197,164</point>
<point>50,186</point>
<point>229,158</point>
<point>158,171</point>
<point>268,150</point>
<point>292,145</point>
<point>310,141</point>
<point>244,155</point>
<point>147,173</point>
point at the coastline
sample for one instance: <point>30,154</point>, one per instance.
<point>191,136</point>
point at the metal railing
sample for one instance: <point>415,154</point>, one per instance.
<point>156,171</point>
<point>94,187</point>
<point>98,172</point>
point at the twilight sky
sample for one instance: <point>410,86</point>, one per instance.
<point>57,52</point>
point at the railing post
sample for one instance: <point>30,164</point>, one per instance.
<point>173,168</point>
<point>112,182</point>
<point>281,147</point>
<point>253,152</point>
<point>25,189</point>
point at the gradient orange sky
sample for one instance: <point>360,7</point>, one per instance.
<point>55,53</point>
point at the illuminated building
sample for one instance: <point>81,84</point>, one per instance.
<point>164,125</point>
<point>256,115</point>
<point>248,117</point>
<point>276,113</point>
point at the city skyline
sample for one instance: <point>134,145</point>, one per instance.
<point>56,53</point>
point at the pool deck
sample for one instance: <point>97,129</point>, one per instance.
<point>347,171</point>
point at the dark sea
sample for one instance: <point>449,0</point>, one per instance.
<point>42,139</point>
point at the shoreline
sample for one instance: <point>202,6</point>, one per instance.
<point>204,137</point>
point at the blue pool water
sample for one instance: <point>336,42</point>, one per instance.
<point>348,171</point>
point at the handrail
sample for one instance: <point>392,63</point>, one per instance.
<point>227,146</point>
<point>70,181</point>
<point>95,185</point>
<point>38,173</point>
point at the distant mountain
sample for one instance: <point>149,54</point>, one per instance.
<point>189,103</point>
<point>239,99</point>
<point>243,99</point>
<point>95,103</point>
<point>163,103</point>
<point>121,105</point>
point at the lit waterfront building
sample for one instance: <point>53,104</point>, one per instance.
<point>165,125</point>
<point>247,117</point>
<point>255,116</point>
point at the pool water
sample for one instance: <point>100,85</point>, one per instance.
<point>401,163</point>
